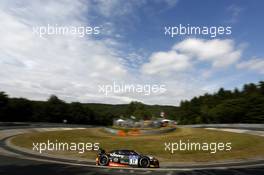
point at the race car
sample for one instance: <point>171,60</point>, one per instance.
<point>125,158</point>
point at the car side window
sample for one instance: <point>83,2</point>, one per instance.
<point>121,152</point>
<point>114,152</point>
<point>124,152</point>
<point>127,152</point>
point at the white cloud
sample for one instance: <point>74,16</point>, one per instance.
<point>254,64</point>
<point>110,8</point>
<point>121,8</point>
<point>171,61</point>
<point>171,3</point>
<point>62,65</point>
<point>68,66</point>
<point>235,12</point>
<point>185,54</point>
<point>180,67</point>
<point>220,53</point>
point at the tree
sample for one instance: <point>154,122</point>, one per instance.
<point>78,113</point>
<point>250,88</point>
<point>229,111</point>
<point>56,109</point>
<point>3,99</point>
<point>19,110</point>
<point>255,109</point>
<point>261,87</point>
<point>3,105</point>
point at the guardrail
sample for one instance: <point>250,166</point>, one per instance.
<point>234,126</point>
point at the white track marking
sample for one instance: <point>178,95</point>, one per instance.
<point>241,131</point>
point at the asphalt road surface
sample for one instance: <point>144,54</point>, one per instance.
<point>17,165</point>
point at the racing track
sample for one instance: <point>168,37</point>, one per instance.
<point>17,162</point>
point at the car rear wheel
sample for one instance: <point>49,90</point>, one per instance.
<point>144,162</point>
<point>103,160</point>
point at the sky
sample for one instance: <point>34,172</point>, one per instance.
<point>132,48</point>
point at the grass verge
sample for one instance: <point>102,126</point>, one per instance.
<point>244,146</point>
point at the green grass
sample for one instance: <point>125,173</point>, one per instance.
<point>243,146</point>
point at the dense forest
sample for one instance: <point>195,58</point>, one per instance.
<point>225,106</point>
<point>56,110</point>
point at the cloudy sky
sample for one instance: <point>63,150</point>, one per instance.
<point>130,49</point>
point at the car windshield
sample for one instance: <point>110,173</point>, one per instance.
<point>133,153</point>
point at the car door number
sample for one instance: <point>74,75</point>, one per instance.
<point>133,160</point>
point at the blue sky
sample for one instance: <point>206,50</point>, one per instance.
<point>131,48</point>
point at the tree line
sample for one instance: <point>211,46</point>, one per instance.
<point>53,110</point>
<point>225,106</point>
